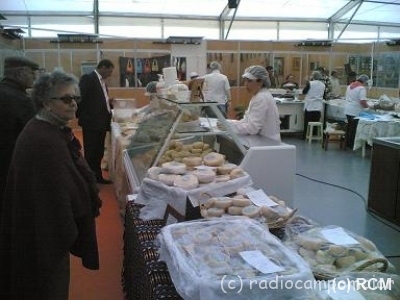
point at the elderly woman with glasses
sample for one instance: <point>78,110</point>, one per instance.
<point>261,116</point>
<point>51,199</point>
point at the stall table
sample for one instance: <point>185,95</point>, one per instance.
<point>144,277</point>
<point>367,130</point>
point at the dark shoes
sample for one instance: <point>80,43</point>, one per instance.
<point>101,180</point>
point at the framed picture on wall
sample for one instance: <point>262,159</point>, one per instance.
<point>279,64</point>
<point>296,63</point>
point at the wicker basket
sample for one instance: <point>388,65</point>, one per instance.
<point>378,264</point>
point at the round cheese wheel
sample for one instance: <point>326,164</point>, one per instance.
<point>205,175</point>
<point>222,178</point>
<point>226,168</point>
<point>213,159</point>
<point>186,182</point>
<point>251,211</point>
<point>223,202</point>
<point>168,179</point>
<point>215,212</point>
<point>174,167</point>
<point>192,161</point>
<point>236,172</point>
<point>153,172</point>
<point>241,202</point>
<point>235,210</point>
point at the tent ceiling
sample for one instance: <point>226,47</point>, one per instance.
<point>367,12</point>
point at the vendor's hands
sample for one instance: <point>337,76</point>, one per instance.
<point>220,126</point>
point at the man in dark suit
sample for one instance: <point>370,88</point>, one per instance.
<point>94,115</point>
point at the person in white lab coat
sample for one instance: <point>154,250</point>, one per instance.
<point>314,93</point>
<point>216,88</point>
<point>261,116</point>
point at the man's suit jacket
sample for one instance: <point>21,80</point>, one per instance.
<point>92,110</point>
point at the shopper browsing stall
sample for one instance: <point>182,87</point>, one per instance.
<point>51,199</point>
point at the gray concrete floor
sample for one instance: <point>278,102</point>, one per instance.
<point>331,188</point>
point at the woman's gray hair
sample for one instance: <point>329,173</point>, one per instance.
<point>260,73</point>
<point>47,86</point>
<point>214,65</point>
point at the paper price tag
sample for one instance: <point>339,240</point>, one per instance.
<point>259,198</point>
<point>338,236</point>
<point>258,260</point>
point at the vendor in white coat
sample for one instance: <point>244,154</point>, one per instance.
<point>261,116</point>
<point>314,93</point>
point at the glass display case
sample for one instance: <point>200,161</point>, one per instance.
<point>166,120</point>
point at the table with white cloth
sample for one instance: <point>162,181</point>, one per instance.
<point>382,126</point>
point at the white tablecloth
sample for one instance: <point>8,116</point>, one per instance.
<point>367,130</point>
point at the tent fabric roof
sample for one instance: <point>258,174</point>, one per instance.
<point>344,12</point>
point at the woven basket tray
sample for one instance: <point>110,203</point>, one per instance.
<point>368,265</point>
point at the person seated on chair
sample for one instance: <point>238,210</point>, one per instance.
<point>314,93</point>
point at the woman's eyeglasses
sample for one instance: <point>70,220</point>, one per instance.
<point>67,99</point>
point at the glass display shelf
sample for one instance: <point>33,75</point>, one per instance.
<point>165,120</point>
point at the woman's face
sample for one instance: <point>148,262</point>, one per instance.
<point>64,104</point>
<point>252,86</point>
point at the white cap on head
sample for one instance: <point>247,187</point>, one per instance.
<point>257,72</point>
<point>363,78</point>
<point>250,76</point>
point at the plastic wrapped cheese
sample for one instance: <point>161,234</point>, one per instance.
<point>203,255</point>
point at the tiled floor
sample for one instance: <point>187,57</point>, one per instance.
<point>332,189</point>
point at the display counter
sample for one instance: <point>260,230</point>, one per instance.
<point>270,164</point>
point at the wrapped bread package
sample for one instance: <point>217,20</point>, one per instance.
<point>332,251</point>
<point>231,258</point>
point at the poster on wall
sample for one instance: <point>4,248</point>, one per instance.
<point>140,71</point>
<point>180,64</point>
